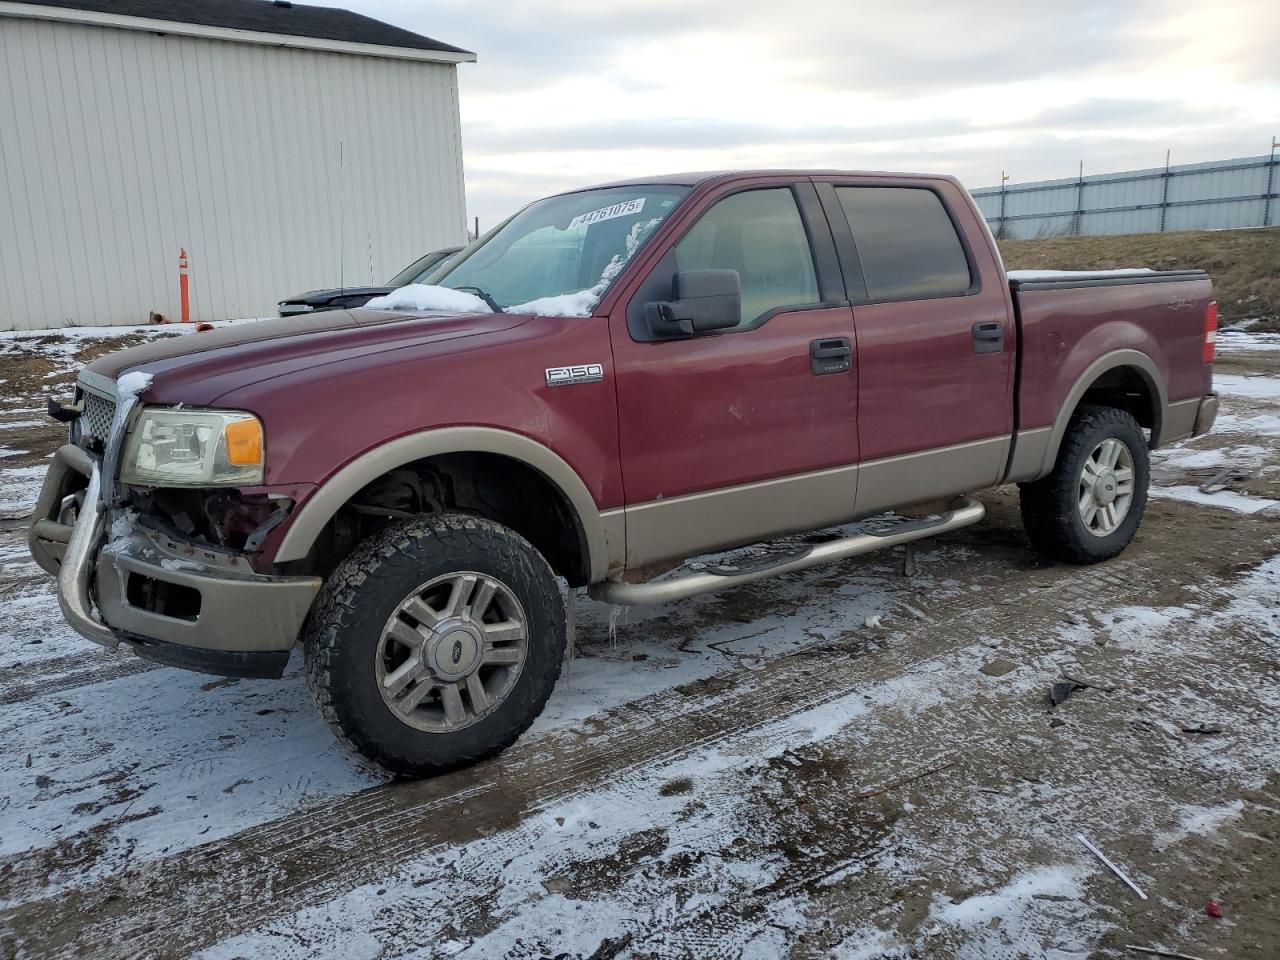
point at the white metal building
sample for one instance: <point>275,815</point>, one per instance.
<point>283,147</point>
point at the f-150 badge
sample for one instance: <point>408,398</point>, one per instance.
<point>578,373</point>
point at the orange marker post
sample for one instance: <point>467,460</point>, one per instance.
<point>184,288</point>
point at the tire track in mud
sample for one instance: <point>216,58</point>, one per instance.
<point>817,818</point>
<point>173,906</point>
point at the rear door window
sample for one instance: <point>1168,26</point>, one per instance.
<point>760,234</point>
<point>907,244</point>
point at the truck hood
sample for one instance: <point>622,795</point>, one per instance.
<point>198,368</point>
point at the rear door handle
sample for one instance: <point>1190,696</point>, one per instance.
<point>988,337</point>
<point>831,355</point>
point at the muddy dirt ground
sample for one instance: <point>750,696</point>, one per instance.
<point>857,761</point>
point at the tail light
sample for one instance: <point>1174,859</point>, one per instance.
<point>1210,330</point>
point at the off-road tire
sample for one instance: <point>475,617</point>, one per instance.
<point>1050,505</point>
<point>342,632</point>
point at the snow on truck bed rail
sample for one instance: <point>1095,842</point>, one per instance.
<point>1071,274</point>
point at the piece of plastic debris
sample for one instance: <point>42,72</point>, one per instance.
<point>1212,909</point>
<point>1063,689</point>
<point>1221,479</point>
<point>1207,729</point>
<point>1090,684</point>
<point>1114,869</point>
<point>873,620</point>
<point>1057,722</point>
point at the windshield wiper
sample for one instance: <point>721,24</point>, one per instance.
<point>492,303</point>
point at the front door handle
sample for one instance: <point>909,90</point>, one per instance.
<point>988,337</point>
<point>831,355</point>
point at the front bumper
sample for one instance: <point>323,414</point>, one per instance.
<point>178,603</point>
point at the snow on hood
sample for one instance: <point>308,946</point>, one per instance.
<point>578,304</point>
<point>130,385</point>
<point>425,296</point>
<point>422,296</point>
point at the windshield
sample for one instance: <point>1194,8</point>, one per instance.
<point>559,255</point>
<point>416,271</point>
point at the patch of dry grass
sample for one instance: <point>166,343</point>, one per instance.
<point>1244,264</point>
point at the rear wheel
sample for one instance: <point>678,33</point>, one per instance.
<point>436,643</point>
<point>1089,507</point>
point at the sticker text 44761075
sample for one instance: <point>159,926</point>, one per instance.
<point>623,209</point>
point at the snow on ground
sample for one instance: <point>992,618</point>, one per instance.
<point>873,770</point>
<point>69,340</point>
<point>1225,499</point>
<point>1197,821</point>
<point>19,487</point>
<point>1257,387</point>
<point>1240,338</point>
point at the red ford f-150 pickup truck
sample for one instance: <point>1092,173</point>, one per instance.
<point>611,382</point>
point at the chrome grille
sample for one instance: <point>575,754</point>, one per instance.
<point>96,419</point>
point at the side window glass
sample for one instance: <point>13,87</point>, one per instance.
<point>760,234</point>
<point>906,243</point>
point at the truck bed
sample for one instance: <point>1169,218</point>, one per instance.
<point>1068,319</point>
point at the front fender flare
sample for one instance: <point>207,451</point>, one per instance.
<point>320,508</point>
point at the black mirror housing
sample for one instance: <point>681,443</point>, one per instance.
<point>704,301</point>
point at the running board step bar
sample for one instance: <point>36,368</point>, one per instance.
<point>877,536</point>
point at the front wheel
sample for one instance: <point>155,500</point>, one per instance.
<point>436,643</point>
<point>1089,507</point>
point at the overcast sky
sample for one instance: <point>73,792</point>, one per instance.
<point>572,92</point>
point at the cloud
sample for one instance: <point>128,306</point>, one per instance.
<point>568,92</point>
<point>693,134</point>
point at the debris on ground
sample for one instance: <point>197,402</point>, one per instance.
<point>1224,478</point>
<point>1090,684</point>
<point>1114,869</point>
<point>1205,729</point>
<point>1157,952</point>
<point>1059,692</point>
<point>1212,909</point>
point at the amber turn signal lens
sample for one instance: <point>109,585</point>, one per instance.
<point>244,442</point>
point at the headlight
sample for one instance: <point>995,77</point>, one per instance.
<point>173,447</point>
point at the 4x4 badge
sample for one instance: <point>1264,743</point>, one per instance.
<point>578,373</point>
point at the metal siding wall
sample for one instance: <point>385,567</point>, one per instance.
<point>119,147</point>
<point>1202,196</point>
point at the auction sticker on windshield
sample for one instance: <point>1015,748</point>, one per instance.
<point>623,209</point>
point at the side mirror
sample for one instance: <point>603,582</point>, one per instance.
<point>705,300</point>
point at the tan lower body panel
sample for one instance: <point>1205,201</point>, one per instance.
<point>1179,420</point>
<point>929,474</point>
<point>1030,448</point>
<point>718,519</point>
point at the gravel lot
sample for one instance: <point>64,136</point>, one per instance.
<point>850,761</point>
